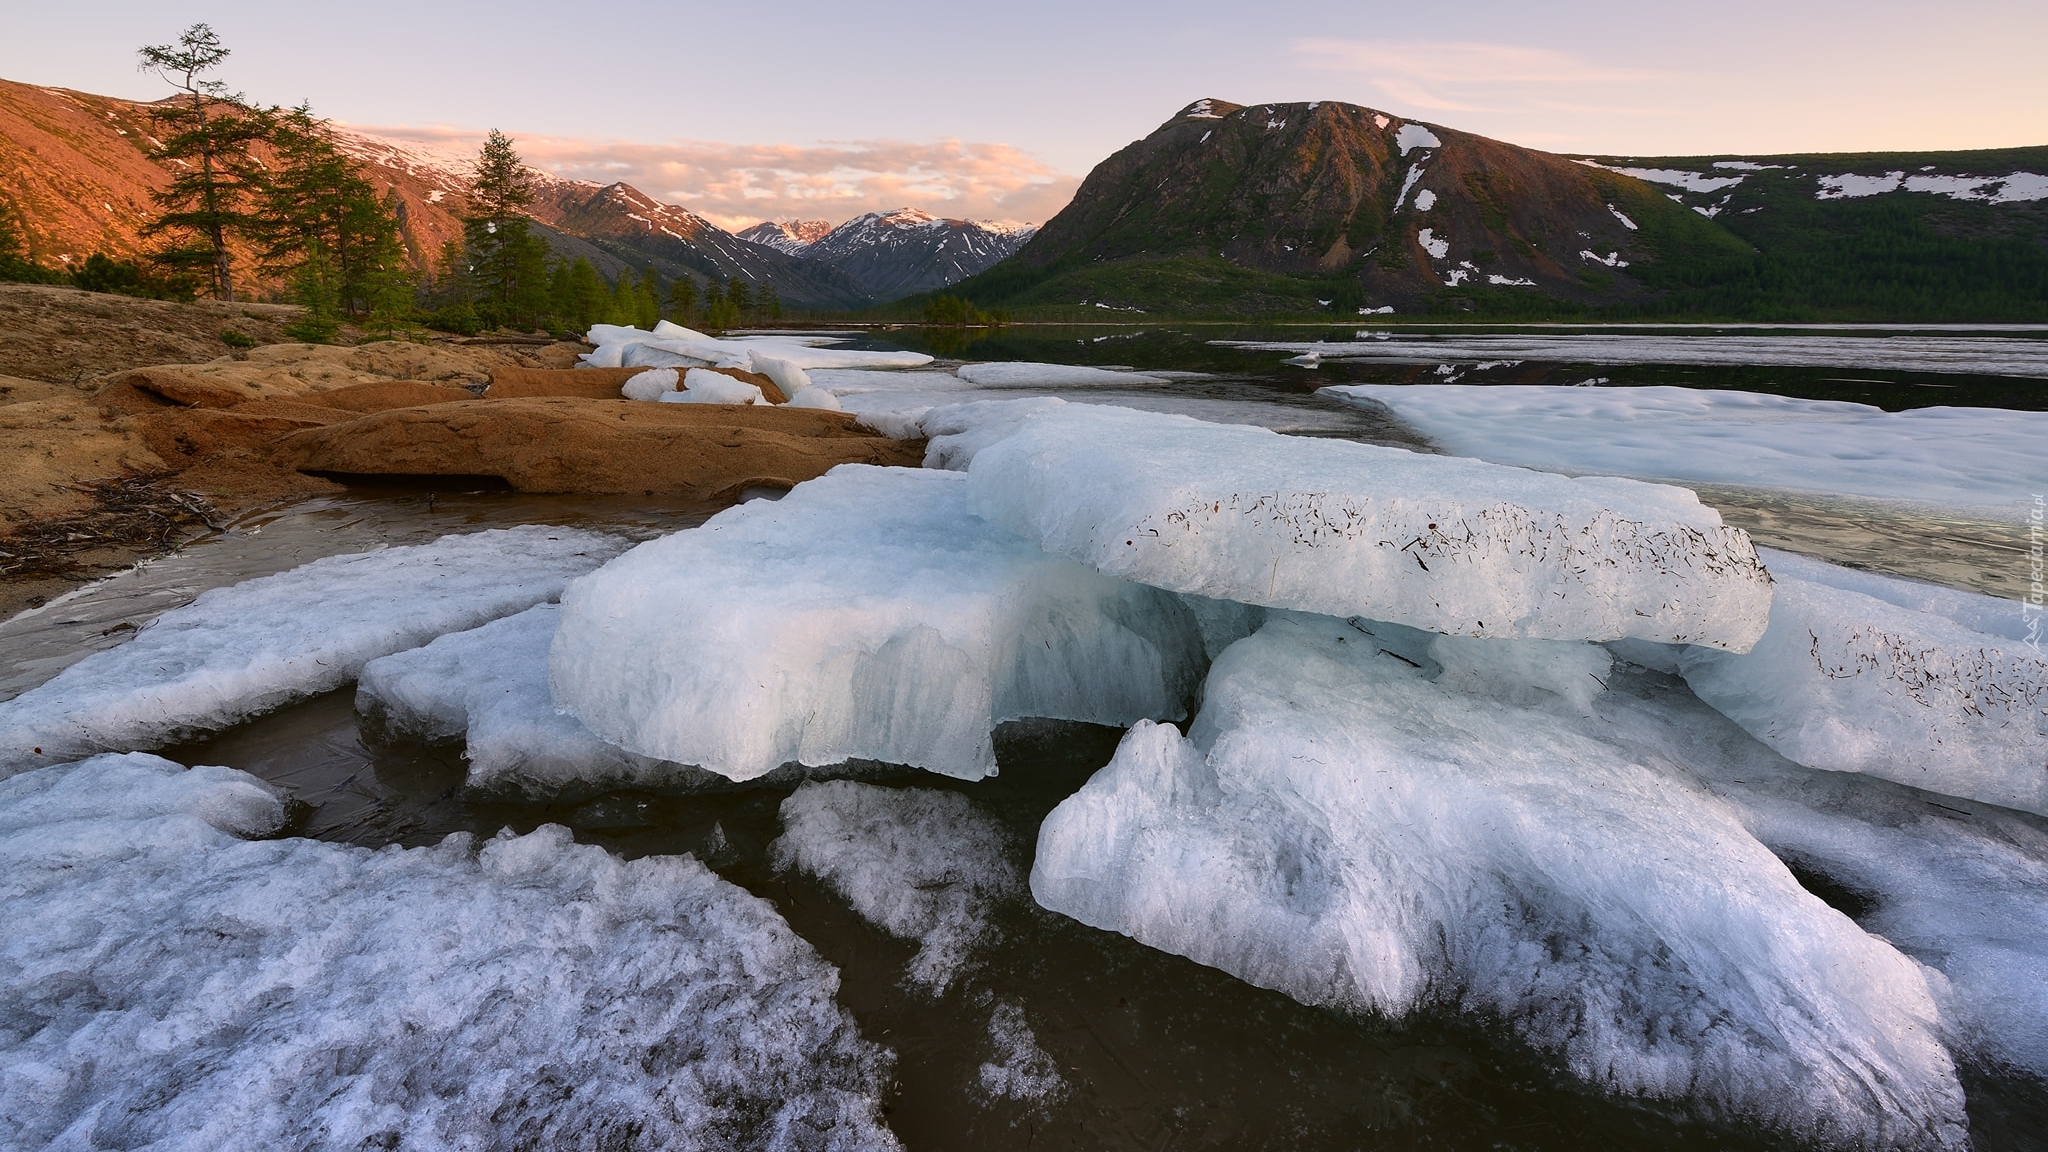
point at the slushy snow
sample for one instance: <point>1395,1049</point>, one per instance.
<point>171,984</point>
<point>1020,1070</point>
<point>1851,682</point>
<point>918,863</point>
<point>1964,459</point>
<point>240,651</point>
<point>1453,546</point>
<point>868,614</point>
<point>1340,828</point>
<point>1988,355</point>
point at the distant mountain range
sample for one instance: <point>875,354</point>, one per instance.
<point>1341,210</point>
<point>74,165</point>
<point>899,253</point>
<point>1322,209</point>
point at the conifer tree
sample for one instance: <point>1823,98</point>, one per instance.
<point>741,299</point>
<point>683,299</point>
<point>209,131</point>
<point>313,207</point>
<point>770,304</point>
<point>507,265</point>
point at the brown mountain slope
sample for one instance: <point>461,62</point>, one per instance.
<point>75,170</point>
<point>1390,211</point>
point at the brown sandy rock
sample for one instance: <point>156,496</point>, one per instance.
<point>565,444</point>
<point>392,394</point>
<point>148,389</point>
<point>49,446</point>
<point>15,390</point>
<point>182,437</point>
<point>513,383</point>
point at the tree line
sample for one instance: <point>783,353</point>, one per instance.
<point>270,181</point>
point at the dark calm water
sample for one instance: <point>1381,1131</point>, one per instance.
<point>1158,1052</point>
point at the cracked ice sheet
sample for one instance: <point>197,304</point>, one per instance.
<point>1342,829</point>
<point>918,863</point>
<point>1455,546</point>
<point>193,990</point>
<point>1961,459</point>
<point>256,646</point>
<point>1891,678</point>
<point>1989,355</point>
<point>488,687</point>
<point>869,614</point>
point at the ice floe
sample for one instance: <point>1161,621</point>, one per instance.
<point>239,651</point>
<point>1241,513</point>
<point>649,385</point>
<point>174,985</point>
<point>673,346</point>
<point>1975,354</point>
<point>1015,375</point>
<point>488,687</point>
<point>918,863</point>
<point>1889,685</point>
<point>1341,828</point>
<point>1958,458</point>
<point>868,614</point>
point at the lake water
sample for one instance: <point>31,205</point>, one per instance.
<point>1158,1052</point>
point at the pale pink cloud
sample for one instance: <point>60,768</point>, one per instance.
<point>737,185</point>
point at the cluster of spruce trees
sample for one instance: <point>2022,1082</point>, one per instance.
<point>270,181</point>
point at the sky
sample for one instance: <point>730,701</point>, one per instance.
<point>781,110</point>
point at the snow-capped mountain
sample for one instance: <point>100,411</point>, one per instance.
<point>791,236</point>
<point>899,253</point>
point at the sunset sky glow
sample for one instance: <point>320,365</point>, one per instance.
<point>745,112</point>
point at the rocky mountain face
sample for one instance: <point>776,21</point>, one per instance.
<point>1334,207</point>
<point>76,169</point>
<point>1374,211</point>
<point>896,254</point>
<point>791,236</point>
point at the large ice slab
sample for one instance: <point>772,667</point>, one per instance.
<point>868,614</point>
<point>171,985</point>
<point>1453,546</point>
<point>488,687</point>
<point>1905,684</point>
<point>246,649</point>
<point>1968,459</point>
<point>1343,829</point>
<point>918,863</point>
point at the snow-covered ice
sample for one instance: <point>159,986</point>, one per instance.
<point>1989,355</point>
<point>1967,459</point>
<point>918,863</point>
<point>1458,547</point>
<point>171,984</point>
<point>1338,827</point>
<point>1889,685</point>
<point>1020,375</point>
<point>239,651</point>
<point>868,614</point>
